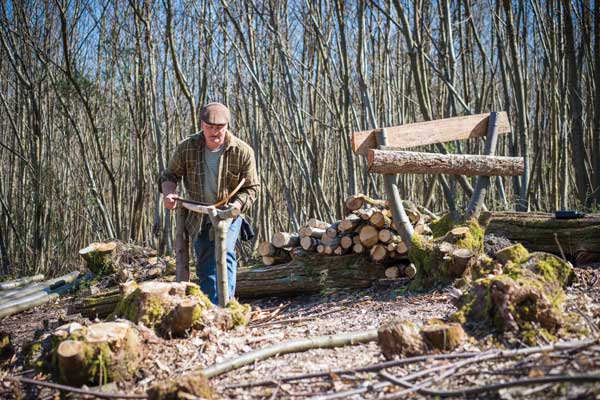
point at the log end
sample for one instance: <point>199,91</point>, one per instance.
<point>400,338</point>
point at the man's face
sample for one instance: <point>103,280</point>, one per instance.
<point>214,135</point>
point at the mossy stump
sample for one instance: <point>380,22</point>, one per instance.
<point>452,253</point>
<point>175,308</point>
<point>101,353</point>
<point>6,347</point>
<point>526,298</point>
<point>99,257</point>
<point>182,387</point>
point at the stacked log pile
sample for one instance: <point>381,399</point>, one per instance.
<point>367,229</point>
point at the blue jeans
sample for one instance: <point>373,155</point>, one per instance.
<point>206,263</point>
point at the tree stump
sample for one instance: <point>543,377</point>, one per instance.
<point>100,353</point>
<point>444,337</point>
<point>173,308</point>
<point>99,257</point>
<point>400,338</point>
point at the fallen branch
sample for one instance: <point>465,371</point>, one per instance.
<point>293,346</point>
<point>72,389</point>
<point>367,368</point>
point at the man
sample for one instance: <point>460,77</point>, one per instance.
<point>211,164</point>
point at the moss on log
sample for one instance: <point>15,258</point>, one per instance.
<point>578,238</point>
<point>308,274</point>
<point>194,385</point>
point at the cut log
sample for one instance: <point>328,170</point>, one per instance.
<point>328,250</point>
<point>357,201</point>
<point>430,132</point>
<point>309,244</point>
<point>99,257</point>
<point>285,239</point>
<point>392,272</point>
<point>310,274</point>
<point>365,213</point>
<point>347,241</point>
<point>379,253</point>
<point>358,248</point>
<point>312,232</point>
<point>409,271</point>
<point>368,236</point>
<point>321,248</point>
<point>116,344</point>
<point>17,283</point>
<point>388,236</point>
<point>266,249</point>
<point>349,223</point>
<point>406,162</point>
<point>379,219</point>
<point>578,238</point>
<point>315,223</point>
<point>341,251</point>
<point>401,248</point>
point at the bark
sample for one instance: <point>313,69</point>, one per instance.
<point>578,238</point>
<point>404,162</point>
<point>307,274</point>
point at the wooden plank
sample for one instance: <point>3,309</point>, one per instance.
<point>409,162</point>
<point>429,132</point>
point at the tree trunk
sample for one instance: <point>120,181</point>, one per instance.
<point>308,274</point>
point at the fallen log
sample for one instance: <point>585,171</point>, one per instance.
<point>579,239</point>
<point>17,283</point>
<point>308,274</point>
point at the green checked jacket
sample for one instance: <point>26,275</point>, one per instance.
<point>187,165</point>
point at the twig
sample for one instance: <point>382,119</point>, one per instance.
<point>368,368</point>
<point>297,319</point>
<point>72,389</point>
<point>497,386</point>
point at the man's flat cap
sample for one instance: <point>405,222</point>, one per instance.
<point>215,114</point>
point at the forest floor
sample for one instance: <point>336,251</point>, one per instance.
<point>280,319</point>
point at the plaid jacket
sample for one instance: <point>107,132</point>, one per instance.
<point>187,164</point>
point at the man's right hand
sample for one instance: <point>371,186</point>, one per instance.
<point>170,201</point>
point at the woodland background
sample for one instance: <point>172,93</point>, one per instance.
<point>94,95</point>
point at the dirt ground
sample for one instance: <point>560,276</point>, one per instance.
<point>280,319</point>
